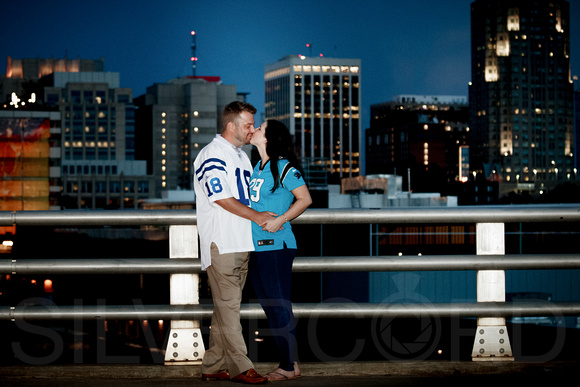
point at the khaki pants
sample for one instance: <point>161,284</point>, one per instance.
<point>227,348</point>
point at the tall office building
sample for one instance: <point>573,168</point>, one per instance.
<point>99,169</point>
<point>176,120</point>
<point>29,161</point>
<point>95,131</point>
<point>319,100</point>
<point>521,96</point>
<point>22,75</point>
<point>421,138</point>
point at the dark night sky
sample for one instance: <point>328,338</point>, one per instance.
<point>406,47</point>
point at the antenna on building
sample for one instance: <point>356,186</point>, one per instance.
<point>193,50</point>
<point>309,46</point>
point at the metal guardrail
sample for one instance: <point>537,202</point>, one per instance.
<point>327,310</point>
<point>301,264</point>
<point>490,262</point>
<point>399,215</point>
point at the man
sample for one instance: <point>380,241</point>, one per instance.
<point>222,172</point>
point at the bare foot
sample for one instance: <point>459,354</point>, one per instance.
<point>296,370</point>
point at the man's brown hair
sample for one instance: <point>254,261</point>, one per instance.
<point>233,110</point>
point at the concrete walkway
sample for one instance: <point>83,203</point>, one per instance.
<point>394,373</point>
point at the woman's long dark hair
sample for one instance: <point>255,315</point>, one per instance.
<point>279,145</point>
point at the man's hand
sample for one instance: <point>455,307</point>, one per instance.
<point>263,218</point>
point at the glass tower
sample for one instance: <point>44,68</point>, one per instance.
<point>319,101</point>
<point>521,95</point>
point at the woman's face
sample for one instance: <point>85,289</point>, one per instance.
<point>259,136</point>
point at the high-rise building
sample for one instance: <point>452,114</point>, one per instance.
<point>22,75</point>
<point>29,161</point>
<point>319,100</point>
<point>521,95</point>
<point>99,169</point>
<point>176,120</point>
<point>95,131</point>
<point>420,138</point>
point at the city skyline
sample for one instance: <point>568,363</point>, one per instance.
<point>415,47</point>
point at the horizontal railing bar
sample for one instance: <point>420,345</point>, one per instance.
<point>323,310</point>
<point>70,218</point>
<point>301,264</point>
<point>444,215</point>
<point>402,215</point>
<point>101,266</point>
<point>437,263</point>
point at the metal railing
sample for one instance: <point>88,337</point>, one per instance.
<point>184,311</point>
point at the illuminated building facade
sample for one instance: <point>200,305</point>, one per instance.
<point>424,138</point>
<point>319,100</point>
<point>99,169</point>
<point>29,161</point>
<point>176,120</point>
<point>22,74</point>
<point>94,140</point>
<point>521,95</point>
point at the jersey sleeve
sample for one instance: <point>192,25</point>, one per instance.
<point>290,177</point>
<point>212,177</point>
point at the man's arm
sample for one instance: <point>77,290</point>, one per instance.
<point>235,207</point>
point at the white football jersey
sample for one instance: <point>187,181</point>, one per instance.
<point>221,171</point>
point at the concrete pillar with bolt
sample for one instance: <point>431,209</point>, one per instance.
<point>492,342</point>
<point>185,344</point>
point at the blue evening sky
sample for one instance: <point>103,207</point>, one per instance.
<point>406,47</point>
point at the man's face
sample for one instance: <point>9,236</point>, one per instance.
<point>244,128</point>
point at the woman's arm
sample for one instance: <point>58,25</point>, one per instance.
<point>303,200</point>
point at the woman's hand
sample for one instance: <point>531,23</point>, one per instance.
<point>274,224</point>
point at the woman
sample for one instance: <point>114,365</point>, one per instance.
<point>277,186</point>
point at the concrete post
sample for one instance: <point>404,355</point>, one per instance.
<point>491,339</point>
<point>185,344</point>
